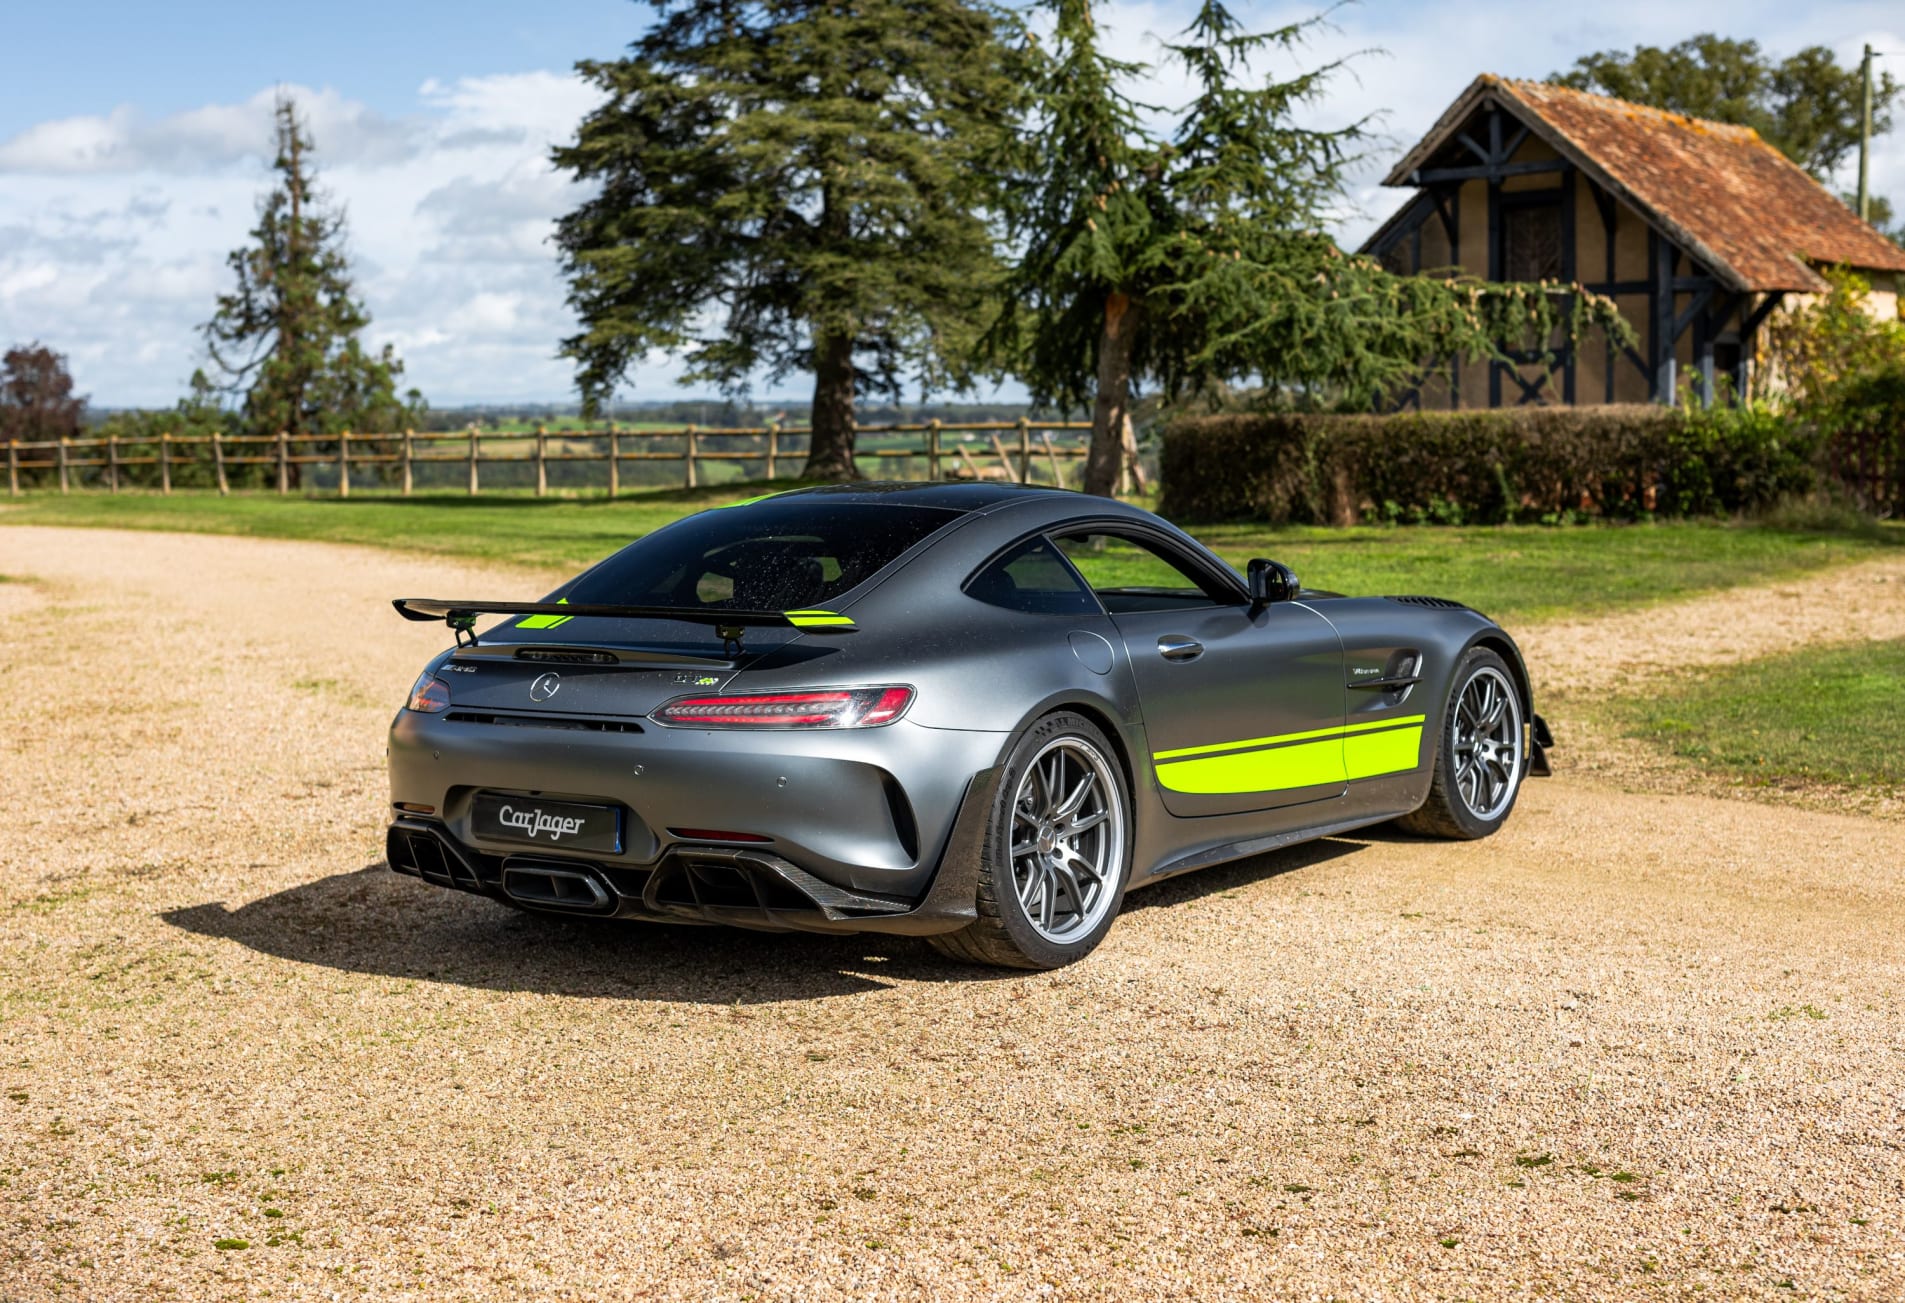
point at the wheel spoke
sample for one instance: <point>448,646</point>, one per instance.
<point>1033,890</point>
<point>1080,864</point>
<point>1082,822</point>
<point>1077,797</point>
<point>1062,874</point>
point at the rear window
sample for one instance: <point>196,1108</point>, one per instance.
<point>769,556</point>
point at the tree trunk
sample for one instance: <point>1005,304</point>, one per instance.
<point>830,451</point>
<point>1111,407</point>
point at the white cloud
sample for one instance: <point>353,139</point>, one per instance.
<point>114,232</point>
<point>214,136</point>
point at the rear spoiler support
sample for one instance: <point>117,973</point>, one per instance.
<point>729,626</point>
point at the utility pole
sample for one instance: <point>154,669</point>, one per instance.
<point>1865,132</point>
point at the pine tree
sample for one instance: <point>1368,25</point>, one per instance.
<point>792,185</point>
<point>1198,260</point>
<point>287,337</point>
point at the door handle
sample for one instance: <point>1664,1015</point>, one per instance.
<point>1176,647</point>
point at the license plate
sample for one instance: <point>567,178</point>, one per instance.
<point>557,825</point>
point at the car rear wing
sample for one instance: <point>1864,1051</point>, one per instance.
<point>731,626</point>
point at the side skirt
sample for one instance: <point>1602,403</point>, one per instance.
<point>1239,850</point>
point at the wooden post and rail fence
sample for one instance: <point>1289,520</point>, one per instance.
<point>1022,451</point>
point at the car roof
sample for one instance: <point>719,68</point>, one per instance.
<point>970,495</point>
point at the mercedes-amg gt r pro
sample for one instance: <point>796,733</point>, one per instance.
<point>974,712</point>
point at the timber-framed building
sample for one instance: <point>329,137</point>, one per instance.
<point>1696,230</point>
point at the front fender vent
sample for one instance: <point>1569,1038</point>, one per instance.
<point>1439,603</point>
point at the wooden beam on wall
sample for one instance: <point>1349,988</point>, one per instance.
<point>1494,253</point>
<point>1604,204</point>
<point>1410,222</point>
<point>1487,171</point>
<point>1660,316</point>
<point>1568,273</point>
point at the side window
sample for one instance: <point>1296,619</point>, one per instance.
<point>1130,574</point>
<point>1032,577</point>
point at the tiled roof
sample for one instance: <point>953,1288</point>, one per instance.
<point>1745,210</point>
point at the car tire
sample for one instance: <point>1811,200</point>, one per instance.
<point>1480,756</point>
<point>1057,851</point>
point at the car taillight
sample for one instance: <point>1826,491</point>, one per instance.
<point>429,695</point>
<point>814,708</point>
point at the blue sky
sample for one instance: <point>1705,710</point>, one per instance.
<point>132,140</point>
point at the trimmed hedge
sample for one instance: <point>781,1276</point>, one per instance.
<point>1544,463</point>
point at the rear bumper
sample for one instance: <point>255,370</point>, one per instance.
<point>736,886</point>
<point>857,824</point>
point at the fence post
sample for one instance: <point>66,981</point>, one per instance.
<point>932,449</point>
<point>473,482</point>
<point>773,446</point>
<point>13,468</point>
<point>1051,455</point>
<point>64,485</point>
<point>165,462</point>
<point>218,462</point>
<point>112,462</point>
<point>615,462</point>
<point>688,458</point>
<point>542,462</point>
<point>344,465</point>
<point>1025,451</point>
<point>408,435</point>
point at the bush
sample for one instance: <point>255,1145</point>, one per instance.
<point>1864,428</point>
<point>1484,466</point>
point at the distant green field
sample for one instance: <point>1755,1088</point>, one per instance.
<point>1523,572</point>
<point>1827,715</point>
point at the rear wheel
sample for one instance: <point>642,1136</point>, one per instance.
<point>1481,756</point>
<point>1056,854</point>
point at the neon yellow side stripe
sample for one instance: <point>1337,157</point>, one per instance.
<point>817,619</point>
<point>1308,764</point>
<point>546,621</point>
<point>1373,754</point>
<point>1326,761</point>
<point>1338,731</point>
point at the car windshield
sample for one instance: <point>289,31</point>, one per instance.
<point>766,556</point>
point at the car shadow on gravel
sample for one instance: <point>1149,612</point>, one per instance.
<point>1242,873</point>
<point>373,921</point>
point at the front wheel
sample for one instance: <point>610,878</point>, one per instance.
<point>1056,855</point>
<point>1480,757</point>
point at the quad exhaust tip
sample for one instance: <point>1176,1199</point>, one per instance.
<point>556,886</point>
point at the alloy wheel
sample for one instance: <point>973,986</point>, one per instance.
<point>1485,735</point>
<point>1068,831</point>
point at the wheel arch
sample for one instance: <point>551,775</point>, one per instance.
<point>1502,645</point>
<point>1101,714</point>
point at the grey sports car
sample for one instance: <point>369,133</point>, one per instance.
<point>978,713</point>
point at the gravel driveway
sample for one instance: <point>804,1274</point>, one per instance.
<point>1633,1045</point>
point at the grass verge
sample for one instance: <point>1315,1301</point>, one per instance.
<point>1824,716</point>
<point>1520,572</point>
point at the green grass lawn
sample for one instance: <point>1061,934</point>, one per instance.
<point>1829,715</point>
<point>1511,572</point>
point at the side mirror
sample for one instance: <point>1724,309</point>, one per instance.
<point>1271,581</point>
